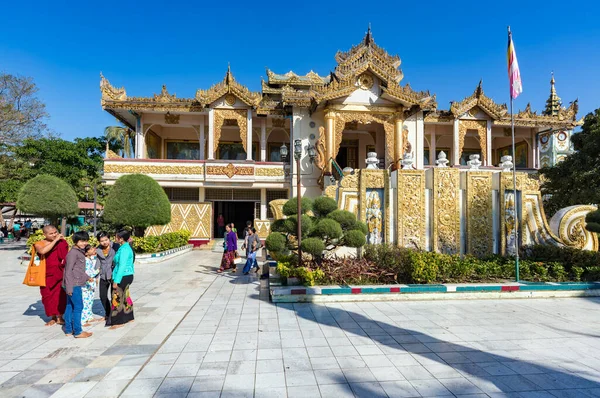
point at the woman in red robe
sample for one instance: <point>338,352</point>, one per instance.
<point>54,249</point>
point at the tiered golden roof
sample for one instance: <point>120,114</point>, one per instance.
<point>228,86</point>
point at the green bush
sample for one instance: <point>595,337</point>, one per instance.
<point>324,205</point>
<point>39,235</point>
<point>355,239</point>
<point>592,220</point>
<point>138,201</point>
<point>292,225</point>
<point>275,242</point>
<point>47,196</point>
<point>309,277</point>
<point>160,243</point>
<point>314,246</point>
<point>576,273</point>
<point>424,267</point>
<point>279,226</point>
<point>345,218</point>
<point>360,226</point>
<point>328,229</point>
<point>290,207</point>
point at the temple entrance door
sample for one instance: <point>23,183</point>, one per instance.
<point>348,154</point>
<point>233,212</point>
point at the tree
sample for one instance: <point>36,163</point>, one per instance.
<point>122,138</point>
<point>137,201</point>
<point>47,196</point>
<point>592,220</point>
<point>78,163</point>
<point>327,229</point>
<point>22,115</point>
<point>576,180</point>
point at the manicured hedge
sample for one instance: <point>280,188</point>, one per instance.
<point>387,264</point>
<point>155,244</point>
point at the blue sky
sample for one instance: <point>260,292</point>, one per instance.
<point>445,47</point>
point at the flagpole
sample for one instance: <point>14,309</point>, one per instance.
<point>514,175</point>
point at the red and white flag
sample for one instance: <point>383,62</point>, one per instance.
<point>514,76</point>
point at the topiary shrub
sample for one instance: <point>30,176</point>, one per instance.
<point>324,205</point>
<point>290,207</point>
<point>592,220</point>
<point>292,225</point>
<point>360,226</point>
<point>275,242</point>
<point>327,229</point>
<point>279,226</point>
<point>137,200</point>
<point>47,196</point>
<point>355,238</point>
<point>346,219</point>
<point>314,246</point>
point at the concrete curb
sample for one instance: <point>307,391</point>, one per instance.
<point>298,294</point>
<point>152,258</point>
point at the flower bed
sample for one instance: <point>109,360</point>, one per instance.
<point>386,264</point>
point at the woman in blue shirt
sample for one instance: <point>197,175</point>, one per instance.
<point>122,276</point>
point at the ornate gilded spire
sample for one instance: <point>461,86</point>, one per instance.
<point>369,37</point>
<point>554,103</point>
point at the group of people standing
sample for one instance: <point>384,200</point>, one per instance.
<point>73,275</point>
<point>251,244</point>
<point>19,229</point>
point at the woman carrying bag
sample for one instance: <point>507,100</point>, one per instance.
<point>122,275</point>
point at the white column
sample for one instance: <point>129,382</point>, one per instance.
<point>432,148</point>
<point>249,136</point>
<point>211,134</point>
<point>263,140</point>
<point>202,138</point>
<point>489,160</point>
<point>455,143</point>
<point>419,140</point>
<point>201,194</point>
<point>263,204</point>
<point>139,139</point>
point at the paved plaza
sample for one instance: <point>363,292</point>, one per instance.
<point>199,334</point>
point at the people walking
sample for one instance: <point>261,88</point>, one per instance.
<point>229,248</point>
<point>251,244</point>
<point>89,289</point>
<point>106,253</point>
<point>122,275</point>
<point>53,248</point>
<point>17,230</point>
<point>220,225</point>
<point>74,281</point>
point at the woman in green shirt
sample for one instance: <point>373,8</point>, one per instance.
<point>122,275</point>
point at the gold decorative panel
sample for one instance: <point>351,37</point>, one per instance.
<point>193,217</point>
<point>263,228</point>
<point>230,170</point>
<point>375,179</point>
<point>411,216</point>
<point>446,210</point>
<point>269,172</point>
<point>239,115</point>
<point>479,216</point>
<point>152,169</point>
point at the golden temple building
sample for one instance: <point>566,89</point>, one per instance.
<point>220,151</point>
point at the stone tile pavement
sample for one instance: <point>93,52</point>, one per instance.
<point>199,334</point>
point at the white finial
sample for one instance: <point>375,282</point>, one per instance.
<point>506,163</point>
<point>474,162</point>
<point>441,160</point>
<point>407,161</point>
<point>372,161</point>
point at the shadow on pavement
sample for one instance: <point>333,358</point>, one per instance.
<point>484,372</point>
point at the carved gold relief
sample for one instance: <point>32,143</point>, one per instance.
<point>350,181</point>
<point>572,228</point>
<point>152,169</point>
<point>230,170</point>
<point>230,99</point>
<point>366,81</point>
<point>171,119</point>
<point>480,238</point>
<point>446,211</point>
<point>331,191</point>
<point>111,155</point>
<point>277,208</point>
<point>321,148</point>
<point>342,118</point>
<point>269,172</point>
<point>410,207</point>
<point>481,127</point>
<point>240,115</point>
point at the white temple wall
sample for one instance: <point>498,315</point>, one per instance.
<point>310,173</point>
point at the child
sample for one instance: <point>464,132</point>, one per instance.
<point>88,290</point>
<point>74,281</point>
